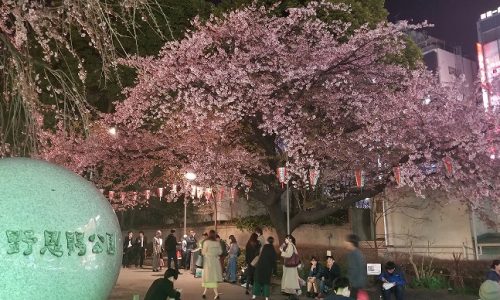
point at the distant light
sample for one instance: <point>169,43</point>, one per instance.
<point>492,156</point>
<point>190,176</point>
<point>112,131</point>
<point>427,100</point>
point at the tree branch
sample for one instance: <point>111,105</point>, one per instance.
<point>321,212</point>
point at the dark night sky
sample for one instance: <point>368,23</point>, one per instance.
<point>454,20</point>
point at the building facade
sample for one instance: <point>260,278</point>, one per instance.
<point>488,53</point>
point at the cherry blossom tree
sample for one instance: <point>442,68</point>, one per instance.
<point>249,91</point>
<point>43,46</point>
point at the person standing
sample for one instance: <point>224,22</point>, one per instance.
<point>171,247</point>
<point>251,251</point>
<point>140,244</point>
<point>212,272</point>
<point>232,262</point>
<point>290,280</point>
<point>494,273</point>
<point>128,249</point>
<point>224,247</point>
<point>260,236</point>
<point>265,267</point>
<point>157,250</point>
<point>184,251</point>
<point>190,246</point>
<point>356,265</point>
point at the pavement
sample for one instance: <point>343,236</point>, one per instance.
<point>135,281</point>
<point>132,281</point>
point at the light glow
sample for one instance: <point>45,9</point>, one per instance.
<point>190,176</point>
<point>112,131</point>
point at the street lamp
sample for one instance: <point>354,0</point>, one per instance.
<point>190,176</point>
<point>112,131</point>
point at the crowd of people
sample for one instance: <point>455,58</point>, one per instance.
<point>215,261</point>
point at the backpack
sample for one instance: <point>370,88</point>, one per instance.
<point>239,252</point>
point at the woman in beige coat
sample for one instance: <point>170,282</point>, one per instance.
<point>157,250</point>
<point>212,272</point>
<point>290,280</point>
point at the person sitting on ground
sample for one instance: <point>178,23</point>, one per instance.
<point>392,277</point>
<point>489,290</point>
<point>494,273</point>
<point>328,275</point>
<point>164,287</point>
<point>341,290</point>
<point>313,278</point>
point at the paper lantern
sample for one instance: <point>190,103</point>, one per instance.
<point>313,177</point>
<point>397,175</point>
<point>281,172</point>
<point>360,178</point>
<point>448,165</point>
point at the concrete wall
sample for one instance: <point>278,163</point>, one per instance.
<point>310,235</point>
<point>451,65</point>
<point>432,224</point>
<point>227,210</point>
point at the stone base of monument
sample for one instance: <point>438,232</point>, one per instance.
<point>59,236</point>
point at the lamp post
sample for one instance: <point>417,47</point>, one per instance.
<point>190,176</point>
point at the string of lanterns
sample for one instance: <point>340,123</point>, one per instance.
<point>196,193</point>
<point>359,174</point>
<point>122,200</point>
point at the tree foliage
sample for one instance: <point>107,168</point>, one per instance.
<point>249,91</point>
<point>59,60</point>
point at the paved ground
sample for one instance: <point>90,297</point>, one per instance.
<point>137,281</point>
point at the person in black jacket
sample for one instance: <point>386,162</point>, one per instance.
<point>128,249</point>
<point>251,251</point>
<point>313,278</point>
<point>171,247</point>
<point>162,288</point>
<point>140,243</point>
<point>266,266</point>
<point>328,275</point>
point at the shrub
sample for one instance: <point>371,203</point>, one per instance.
<point>251,222</point>
<point>434,282</point>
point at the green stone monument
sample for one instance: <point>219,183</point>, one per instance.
<point>59,236</point>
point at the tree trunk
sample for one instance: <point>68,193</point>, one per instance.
<point>272,200</point>
<point>278,218</point>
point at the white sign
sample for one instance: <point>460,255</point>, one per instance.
<point>373,269</point>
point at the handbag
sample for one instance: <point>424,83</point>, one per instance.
<point>292,261</point>
<point>254,261</point>
<point>199,261</point>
